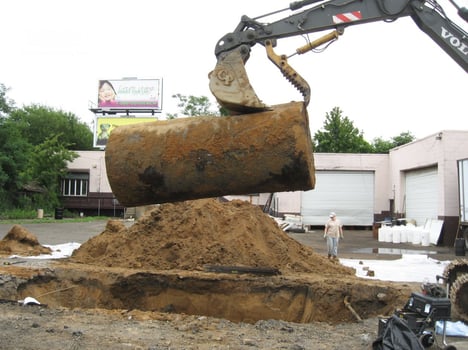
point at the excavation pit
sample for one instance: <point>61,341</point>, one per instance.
<point>237,297</point>
<point>159,265</point>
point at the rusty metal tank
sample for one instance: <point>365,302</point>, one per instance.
<point>203,157</point>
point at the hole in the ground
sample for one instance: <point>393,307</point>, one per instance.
<point>239,298</point>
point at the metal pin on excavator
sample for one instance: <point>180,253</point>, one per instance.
<point>259,148</point>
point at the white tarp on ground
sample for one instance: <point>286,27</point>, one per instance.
<point>410,268</point>
<point>452,329</point>
<point>59,251</point>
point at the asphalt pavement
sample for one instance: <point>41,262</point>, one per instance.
<point>59,232</point>
<point>361,244</point>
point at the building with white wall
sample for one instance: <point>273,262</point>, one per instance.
<point>86,187</point>
<point>425,181</point>
<point>417,181</point>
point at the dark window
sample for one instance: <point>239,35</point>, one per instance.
<point>75,185</point>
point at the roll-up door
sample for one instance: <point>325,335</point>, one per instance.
<point>421,195</point>
<point>348,193</point>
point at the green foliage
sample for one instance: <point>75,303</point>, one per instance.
<point>36,142</point>
<point>384,146</point>
<point>14,159</point>
<point>6,104</point>
<point>339,135</point>
<point>47,163</point>
<point>381,146</point>
<point>13,153</point>
<point>403,138</point>
<point>37,123</point>
<point>18,214</point>
<point>192,106</point>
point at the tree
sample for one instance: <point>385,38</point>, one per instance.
<point>403,138</point>
<point>13,153</point>
<point>340,135</point>
<point>48,162</point>
<point>382,146</point>
<point>38,123</point>
<point>36,142</point>
<point>52,136</point>
<point>14,160</point>
<point>6,104</point>
<point>192,106</point>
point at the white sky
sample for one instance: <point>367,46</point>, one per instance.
<point>386,77</point>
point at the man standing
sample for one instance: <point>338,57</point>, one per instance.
<point>333,232</point>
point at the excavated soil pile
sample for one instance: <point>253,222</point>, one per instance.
<point>189,235</point>
<point>22,242</point>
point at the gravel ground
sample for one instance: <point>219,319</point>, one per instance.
<point>41,327</point>
<point>36,327</point>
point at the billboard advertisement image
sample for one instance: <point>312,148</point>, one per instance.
<point>105,125</point>
<point>130,94</point>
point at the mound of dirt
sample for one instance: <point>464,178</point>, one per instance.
<point>189,235</point>
<point>20,241</point>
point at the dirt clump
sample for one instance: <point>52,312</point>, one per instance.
<point>192,234</point>
<point>20,241</point>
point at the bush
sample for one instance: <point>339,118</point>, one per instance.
<point>15,214</point>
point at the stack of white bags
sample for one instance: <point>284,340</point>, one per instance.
<point>423,235</point>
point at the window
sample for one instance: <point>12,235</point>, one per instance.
<point>75,185</point>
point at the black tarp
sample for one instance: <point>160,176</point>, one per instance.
<point>397,336</point>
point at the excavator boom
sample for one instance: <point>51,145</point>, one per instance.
<point>233,49</point>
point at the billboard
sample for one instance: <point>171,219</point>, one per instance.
<point>130,94</point>
<point>105,125</point>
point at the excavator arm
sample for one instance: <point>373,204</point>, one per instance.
<point>229,82</point>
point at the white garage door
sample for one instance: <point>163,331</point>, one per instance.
<point>421,195</point>
<point>348,193</point>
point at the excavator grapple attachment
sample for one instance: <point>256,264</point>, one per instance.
<point>230,85</point>
<point>201,157</point>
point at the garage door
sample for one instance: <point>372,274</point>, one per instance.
<point>348,193</point>
<point>421,195</point>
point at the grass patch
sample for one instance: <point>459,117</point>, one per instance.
<point>23,216</point>
<point>49,220</point>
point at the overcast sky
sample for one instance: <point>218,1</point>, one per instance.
<point>386,77</point>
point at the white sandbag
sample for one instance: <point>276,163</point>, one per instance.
<point>417,236</point>
<point>404,234</point>
<point>425,238</point>
<point>396,234</point>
